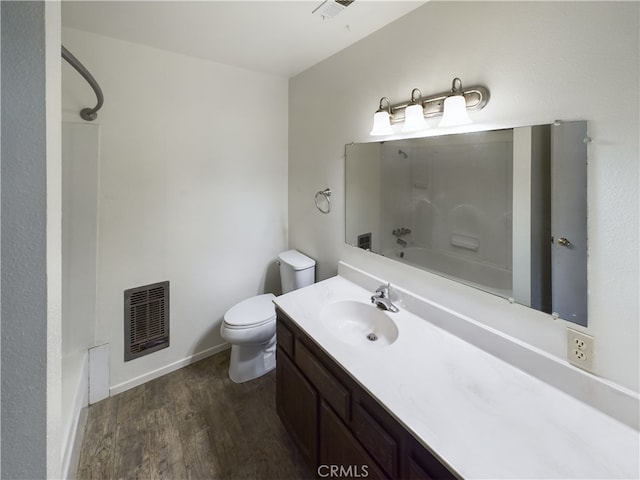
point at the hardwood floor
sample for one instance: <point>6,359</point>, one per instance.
<point>191,424</point>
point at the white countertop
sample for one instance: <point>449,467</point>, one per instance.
<point>480,415</point>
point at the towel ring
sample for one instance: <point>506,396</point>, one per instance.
<point>326,193</point>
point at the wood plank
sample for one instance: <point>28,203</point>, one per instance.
<point>97,453</point>
<point>193,423</point>
<point>193,432</point>
<point>165,446</point>
<point>132,436</point>
<point>226,436</point>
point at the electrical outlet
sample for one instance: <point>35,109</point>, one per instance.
<point>580,349</point>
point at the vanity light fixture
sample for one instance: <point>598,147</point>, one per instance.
<point>382,119</point>
<point>414,114</point>
<point>445,104</point>
<point>455,107</point>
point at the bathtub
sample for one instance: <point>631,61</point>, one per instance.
<point>481,275</point>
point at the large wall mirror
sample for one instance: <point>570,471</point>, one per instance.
<point>503,211</point>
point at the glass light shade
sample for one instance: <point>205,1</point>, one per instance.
<point>455,112</point>
<point>381,124</point>
<point>414,119</point>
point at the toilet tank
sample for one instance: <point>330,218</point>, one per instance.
<point>296,270</point>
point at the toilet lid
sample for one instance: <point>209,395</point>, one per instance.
<point>252,311</point>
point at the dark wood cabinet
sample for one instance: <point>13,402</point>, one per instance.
<point>297,405</point>
<point>329,388</point>
<point>421,464</point>
<point>377,439</point>
<point>342,431</point>
<point>340,451</point>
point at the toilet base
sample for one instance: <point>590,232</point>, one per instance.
<point>250,361</point>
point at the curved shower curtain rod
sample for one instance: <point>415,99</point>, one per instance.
<point>87,113</point>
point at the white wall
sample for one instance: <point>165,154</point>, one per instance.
<point>541,61</point>
<point>192,189</point>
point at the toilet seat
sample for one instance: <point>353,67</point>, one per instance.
<point>251,312</point>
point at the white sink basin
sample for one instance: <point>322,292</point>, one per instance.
<point>359,324</point>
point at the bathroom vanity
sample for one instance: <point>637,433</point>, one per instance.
<point>335,422</point>
<point>425,403</point>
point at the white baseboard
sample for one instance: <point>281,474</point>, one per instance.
<point>134,382</point>
<point>72,437</point>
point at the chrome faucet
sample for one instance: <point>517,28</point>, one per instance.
<point>381,299</point>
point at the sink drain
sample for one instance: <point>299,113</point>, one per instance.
<point>372,337</point>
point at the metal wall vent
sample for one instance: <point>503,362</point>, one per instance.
<point>364,241</point>
<point>146,319</point>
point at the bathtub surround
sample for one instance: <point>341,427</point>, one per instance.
<point>80,159</point>
<point>80,176</point>
<point>542,61</point>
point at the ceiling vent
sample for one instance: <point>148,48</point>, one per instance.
<point>330,8</point>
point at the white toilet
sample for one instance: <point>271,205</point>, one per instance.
<point>250,326</point>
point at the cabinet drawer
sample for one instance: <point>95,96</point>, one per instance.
<point>329,388</point>
<point>284,338</point>
<point>374,437</point>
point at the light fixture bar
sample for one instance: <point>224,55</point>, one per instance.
<point>475,97</point>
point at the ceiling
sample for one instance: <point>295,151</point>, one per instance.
<point>277,37</point>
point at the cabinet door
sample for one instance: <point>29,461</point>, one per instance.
<point>328,386</point>
<point>419,464</point>
<point>377,440</point>
<point>340,453</point>
<point>297,406</point>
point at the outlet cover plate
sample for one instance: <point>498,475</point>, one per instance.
<point>580,349</point>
